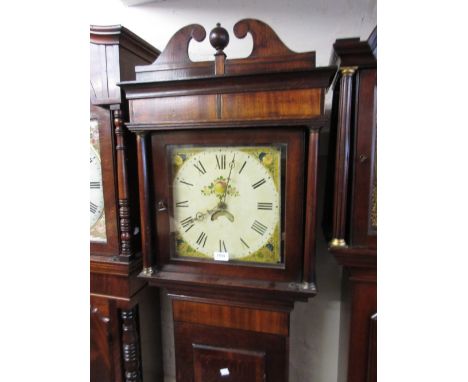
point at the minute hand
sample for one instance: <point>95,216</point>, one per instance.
<point>231,166</point>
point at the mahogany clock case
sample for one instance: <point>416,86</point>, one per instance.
<point>230,317</point>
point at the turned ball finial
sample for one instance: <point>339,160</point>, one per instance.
<point>219,38</point>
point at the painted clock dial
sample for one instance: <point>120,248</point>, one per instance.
<point>97,221</point>
<point>226,203</point>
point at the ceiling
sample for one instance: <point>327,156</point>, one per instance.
<point>130,3</point>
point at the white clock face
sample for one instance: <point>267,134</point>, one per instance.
<point>227,200</point>
<point>96,193</point>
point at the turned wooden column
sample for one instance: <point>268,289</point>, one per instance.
<point>123,192</point>
<point>145,203</point>
<point>131,345</point>
<point>342,156</point>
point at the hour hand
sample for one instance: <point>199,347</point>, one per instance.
<point>224,213</point>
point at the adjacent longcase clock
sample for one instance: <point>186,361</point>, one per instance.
<point>227,166</point>
<point>116,294</point>
<point>353,228</point>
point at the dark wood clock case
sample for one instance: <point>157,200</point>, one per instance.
<point>353,224</point>
<point>230,318</point>
<point>123,310</point>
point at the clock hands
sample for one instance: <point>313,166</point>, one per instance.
<point>222,206</point>
<point>231,166</point>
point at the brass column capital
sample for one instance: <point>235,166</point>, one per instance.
<point>337,243</point>
<point>348,70</point>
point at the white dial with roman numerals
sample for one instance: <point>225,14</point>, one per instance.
<point>227,199</point>
<point>96,193</point>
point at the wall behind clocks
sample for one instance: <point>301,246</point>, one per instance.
<point>303,25</point>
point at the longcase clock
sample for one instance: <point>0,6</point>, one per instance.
<point>353,228</point>
<point>117,322</point>
<point>227,168</point>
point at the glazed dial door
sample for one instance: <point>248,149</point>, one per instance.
<point>97,221</point>
<point>227,203</point>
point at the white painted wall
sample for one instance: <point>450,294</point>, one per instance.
<point>303,25</point>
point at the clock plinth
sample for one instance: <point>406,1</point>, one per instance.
<point>227,166</point>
